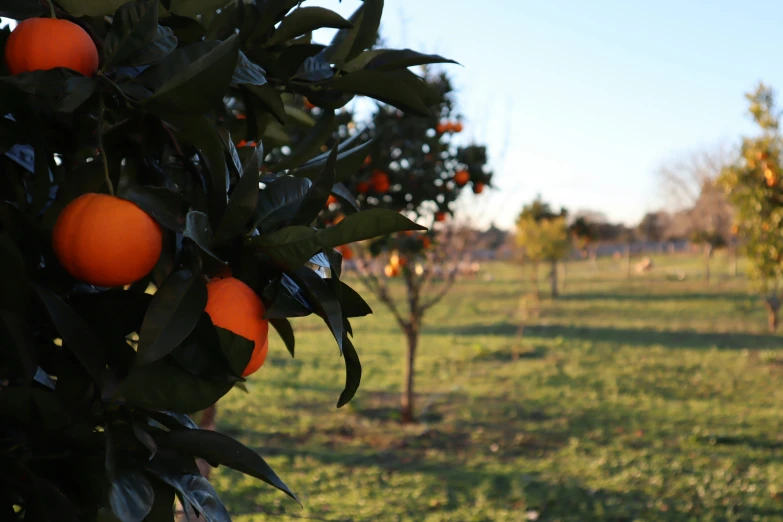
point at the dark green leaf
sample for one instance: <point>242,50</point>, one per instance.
<point>196,7</point>
<point>305,20</point>
<point>342,192</point>
<point>217,449</point>
<point>197,229</point>
<point>14,332</point>
<point>236,349</point>
<point>348,163</point>
<point>78,90</point>
<point>145,439</point>
<point>286,332</point>
<point>392,87</point>
<point>247,73</point>
<point>192,79</point>
<point>173,313</point>
<point>164,386</point>
<point>196,490</point>
<point>167,207</point>
<point>76,335</point>
<point>324,299</point>
<point>163,505</point>
<point>21,9</point>
<point>339,48</point>
<point>271,99</point>
<point>311,143</point>
<point>279,201</point>
<point>287,299</point>
<point>391,59</point>
<point>353,305</point>
<point>135,38</point>
<point>353,373</point>
<point>241,206</point>
<point>319,193</point>
<point>130,496</point>
<point>293,246</point>
<point>367,32</point>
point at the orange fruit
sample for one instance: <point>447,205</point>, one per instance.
<point>362,187</point>
<point>456,127</point>
<point>442,128</point>
<point>380,181</point>
<point>391,271</point>
<point>308,104</point>
<point>39,44</point>
<point>478,188</point>
<point>241,116</point>
<point>331,200</point>
<point>367,161</point>
<point>440,216</point>
<point>244,143</point>
<point>461,178</point>
<point>426,242</point>
<point>346,251</point>
<point>106,241</point>
<point>233,305</point>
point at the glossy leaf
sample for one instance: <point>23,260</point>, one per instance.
<point>198,492</point>
<point>197,229</point>
<point>392,87</point>
<point>218,449</point>
<point>348,162</point>
<point>279,201</point>
<point>319,192</point>
<point>76,335</point>
<point>241,207</point>
<point>353,305</point>
<point>312,142</point>
<point>305,20</point>
<point>173,313</point>
<point>130,496</point>
<point>192,79</point>
<point>353,373</point>
<point>166,206</point>
<point>247,72</point>
<point>135,38</point>
<point>283,327</point>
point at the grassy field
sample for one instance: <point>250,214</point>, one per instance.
<point>649,399</point>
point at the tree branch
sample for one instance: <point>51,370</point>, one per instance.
<point>373,284</point>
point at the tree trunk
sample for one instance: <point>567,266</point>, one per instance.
<point>628,261</point>
<point>707,258</point>
<point>565,276</point>
<point>407,405</point>
<point>553,278</point>
<point>534,280</point>
<point>733,269</point>
<point>772,304</point>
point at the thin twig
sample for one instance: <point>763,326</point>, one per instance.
<point>101,150</point>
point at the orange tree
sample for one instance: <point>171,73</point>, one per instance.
<point>413,167</point>
<point>120,173</point>
<point>755,189</point>
<point>543,236</point>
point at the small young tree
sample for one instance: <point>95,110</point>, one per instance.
<point>415,168</point>
<point>755,189</point>
<point>120,172</point>
<point>543,236</point>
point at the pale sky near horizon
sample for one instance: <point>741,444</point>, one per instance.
<point>588,98</point>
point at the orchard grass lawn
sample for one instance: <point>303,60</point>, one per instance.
<point>654,399</point>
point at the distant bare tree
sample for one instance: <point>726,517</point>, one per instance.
<point>700,210</point>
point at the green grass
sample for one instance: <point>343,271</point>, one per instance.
<point>652,399</point>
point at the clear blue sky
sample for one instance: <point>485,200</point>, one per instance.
<point>587,98</point>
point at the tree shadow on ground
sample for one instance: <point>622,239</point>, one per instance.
<point>628,336</point>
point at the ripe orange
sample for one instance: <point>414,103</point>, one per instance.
<point>478,188</point>
<point>106,241</point>
<point>391,271</point>
<point>456,127</point>
<point>331,200</point>
<point>346,251</point>
<point>380,182</point>
<point>367,161</point>
<point>308,104</point>
<point>440,216</point>
<point>362,187</point>
<point>442,128</point>
<point>244,143</point>
<point>426,242</point>
<point>233,305</point>
<point>461,178</point>
<point>47,43</point>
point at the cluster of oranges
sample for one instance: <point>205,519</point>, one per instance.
<point>396,264</point>
<point>107,241</point>
<point>379,183</point>
<point>448,126</point>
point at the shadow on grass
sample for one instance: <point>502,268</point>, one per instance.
<point>638,337</point>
